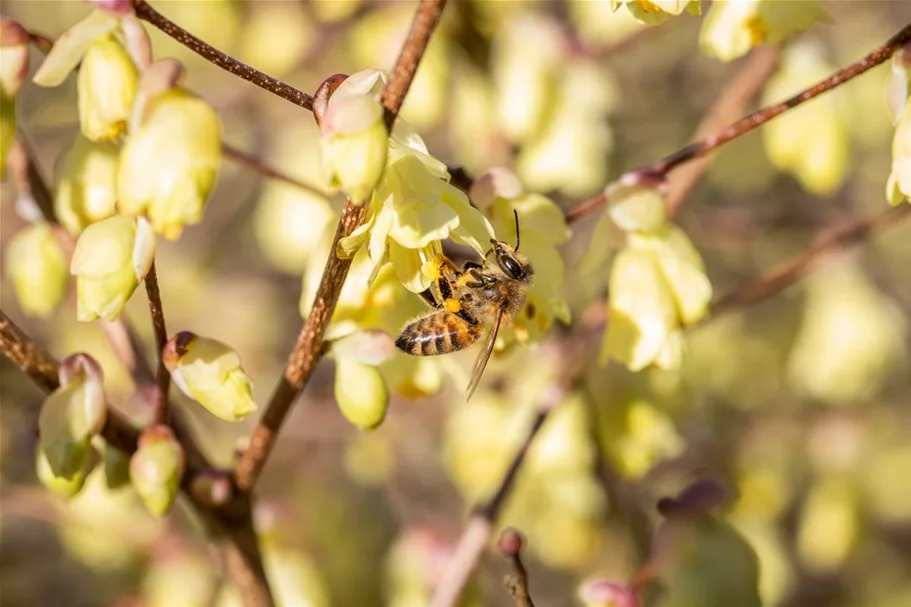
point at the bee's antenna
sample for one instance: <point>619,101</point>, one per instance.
<point>516,214</point>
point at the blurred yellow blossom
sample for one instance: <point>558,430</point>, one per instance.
<point>811,141</point>
<point>36,265</point>
<point>733,27</point>
<point>157,467</point>
<point>13,70</point>
<point>829,525</point>
<point>899,184</point>
<point>851,338</point>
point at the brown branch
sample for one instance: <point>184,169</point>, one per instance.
<point>697,149</point>
<point>162,376</point>
<point>308,350</point>
<point>222,60</point>
<point>422,27</point>
<point>516,583</point>
<point>791,270</point>
<point>479,527</point>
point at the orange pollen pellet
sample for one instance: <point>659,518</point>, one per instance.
<point>452,305</point>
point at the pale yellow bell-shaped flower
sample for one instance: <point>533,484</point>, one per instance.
<point>66,487</point>
<point>86,184</point>
<point>157,468</point>
<point>636,208</point>
<point>37,267</point>
<point>830,525</point>
<point>110,259</point>
<point>13,70</point>
<point>168,166</point>
<point>210,373</point>
<point>361,393</point>
<point>71,415</point>
<point>643,313</point>
<point>107,85</point>
<point>353,143</point>
<point>733,27</point>
<point>899,184</point>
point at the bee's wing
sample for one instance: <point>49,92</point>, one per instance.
<point>484,356</point>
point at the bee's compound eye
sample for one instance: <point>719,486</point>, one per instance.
<point>511,266</point>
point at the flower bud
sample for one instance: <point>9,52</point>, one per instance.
<point>169,164</point>
<point>636,208</point>
<point>107,86</point>
<point>361,393</point>
<point>369,346</point>
<point>210,373</point>
<point>13,69</point>
<point>156,468</point>
<point>71,415</point>
<point>110,259</point>
<point>13,56</point>
<point>37,266</point>
<point>86,189</point>
<point>353,143</point>
<point>64,487</point>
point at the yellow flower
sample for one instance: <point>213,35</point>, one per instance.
<point>353,142</point>
<point>733,27</point>
<point>169,164</point>
<point>37,266</point>
<point>413,207</point>
<point>110,259</point>
<point>210,373</point>
<point>86,189</point>
<point>106,89</point>
<point>657,284</point>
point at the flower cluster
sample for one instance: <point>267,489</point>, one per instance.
<point>657,283</point>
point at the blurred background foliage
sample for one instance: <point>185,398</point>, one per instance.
<point>800,402</point>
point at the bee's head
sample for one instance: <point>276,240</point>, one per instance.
<point>511,263</point>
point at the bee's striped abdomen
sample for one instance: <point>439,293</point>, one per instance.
<point>438,333</point>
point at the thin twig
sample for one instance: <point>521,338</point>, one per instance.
<point>697,149</point>
<point>308,350</point>
<point>225,62</point>
<point>516,583</point>
<point>479,527</point>
<point>42,369</point>
<point>162,376</point>
<point>257,165</point>
<point>791,270</point>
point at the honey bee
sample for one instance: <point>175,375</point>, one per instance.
<point>468,301</point>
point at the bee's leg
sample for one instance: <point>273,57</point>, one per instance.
<point>471,265</point>
<point>427,296</point>
<point>480,279</point>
